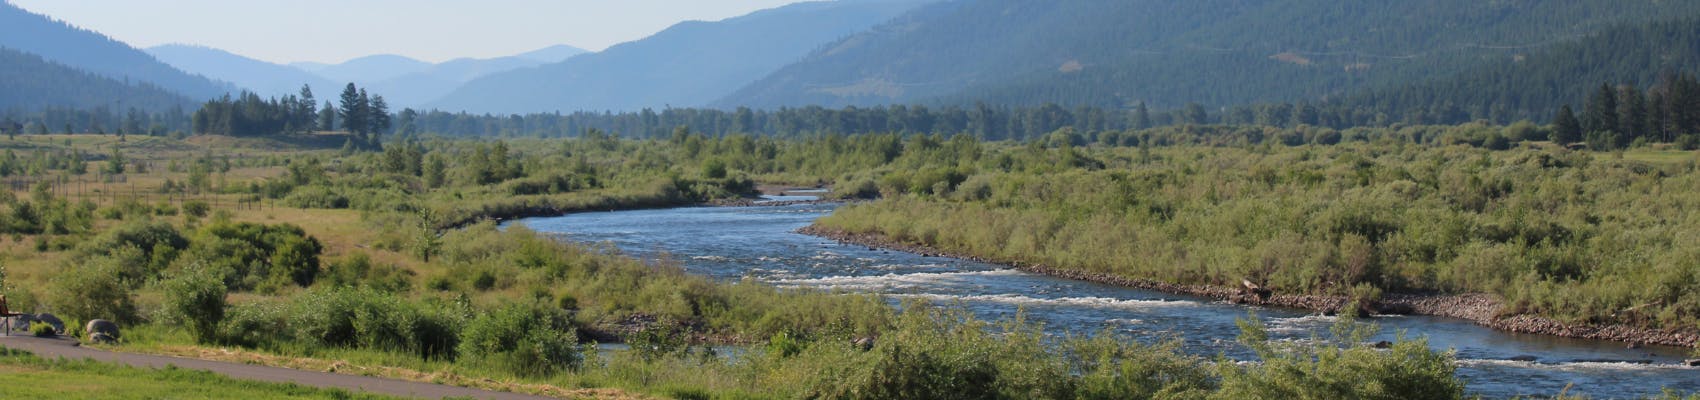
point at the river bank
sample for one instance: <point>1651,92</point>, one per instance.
<point>1482,309</point>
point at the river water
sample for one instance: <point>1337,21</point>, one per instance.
<point>731,243</point>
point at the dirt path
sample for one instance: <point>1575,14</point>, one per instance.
<point>65,348</point>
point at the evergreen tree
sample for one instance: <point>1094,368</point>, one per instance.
<point>1565,128</point>
<point>353,112</point>
<point>1600,114</point>
<point>306,114</point>
<point>327,117</point>
<point>1141,116</point>
<point>380,119</point>
<point>1632,115</point>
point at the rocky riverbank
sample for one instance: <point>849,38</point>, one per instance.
<point>1480,308</point>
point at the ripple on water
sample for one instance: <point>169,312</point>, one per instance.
<point>891,281</point>
<point>1095,302</point>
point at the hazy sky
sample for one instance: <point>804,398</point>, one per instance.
<point>431,30</point>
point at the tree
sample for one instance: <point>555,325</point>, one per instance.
<point>1141,116</point>
<point>380,119</point>
<point>1600,114</point>
<point>327,118</point>
<point>1565,128</point>
<point>306,115</point>
<point>197,297</point>
<point>1633,116</point>
<point>353,111</point>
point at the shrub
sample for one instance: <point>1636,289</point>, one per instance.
<point>196,296</point>
<point>524,339</point>
<point>42,329</point>
<point>94,289</point>
<point>1327,371</point>
<point>196,208</point>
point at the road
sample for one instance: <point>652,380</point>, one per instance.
<point>65,348</point>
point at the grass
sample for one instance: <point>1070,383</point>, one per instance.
<point>26,376</point>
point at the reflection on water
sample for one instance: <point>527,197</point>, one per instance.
<point>758,242</point>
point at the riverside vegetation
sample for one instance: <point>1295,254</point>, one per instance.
<point>388,261</point>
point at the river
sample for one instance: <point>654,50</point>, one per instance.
<point>731,243</point>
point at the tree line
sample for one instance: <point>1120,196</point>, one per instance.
<point>364,116</point>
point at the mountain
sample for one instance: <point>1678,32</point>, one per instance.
<point>30,83</point>
<point>405,82</point>
<point>264,78</point>
<point>1116,53</point>
<point>89,51</point>
<point>688,64</point>
<point>552,54</point>
<point>368,69</point>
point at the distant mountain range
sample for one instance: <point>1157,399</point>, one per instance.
<point>30,83</point>
<point>1498,59</point>
<point>404,82</point>
<point>1116,53</point>
<point>258,76</point>
<point>85,50</point>
<point>686,65</point>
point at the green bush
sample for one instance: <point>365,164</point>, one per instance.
<point>196,296</point>
<point>1348,367</point>
<point>43,329</point>
<point>91,290</point>
<point>523,339</point>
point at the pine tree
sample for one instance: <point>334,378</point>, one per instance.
<point>380,119</point>
<point>1600,114</point>
<point>1565,128</point>
<point>305,113</point>
<point>353,112</point>
<point>1141,116</point>
<point>1632,115</point>
<point>327,118</point>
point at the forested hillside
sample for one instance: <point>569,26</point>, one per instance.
<point>28,83</point>
<point>689,64</point>
<point>1214,52</point>
<point>91,51</point>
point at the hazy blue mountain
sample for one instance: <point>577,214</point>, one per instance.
<point>405,82</point>
<point>93,52</point>
<point>552,54</point>
<point>1167,53</point>
<point>29,83</point>
<point>688,64</point>
<point>264,78</point>
<point>374,68</point>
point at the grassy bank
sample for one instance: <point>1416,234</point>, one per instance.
<point>1573,236</point>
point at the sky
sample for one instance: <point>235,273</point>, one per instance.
<point>332,31</point>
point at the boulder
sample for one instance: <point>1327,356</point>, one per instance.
<point>1525,358</point>
<point>863,343</point>
<point>101,327</point>
<point>22,322</point>
<point>1383,344</point>
<point>1693,362</point>
<point>102,338</point>
<point>50,319</point>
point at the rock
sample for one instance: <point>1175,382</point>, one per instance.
<point>1692,362</point>
<point>1383,344</point>
<point>22,322</point>
<point>101,327</point>
<point>50,319</point>
<point>102,338</point>
<point>1394,309</point>
<point>1634,345</point>
<point>863,343</point>
<point>1525,358</point>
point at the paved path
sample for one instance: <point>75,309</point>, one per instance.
<point>63,348</point>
